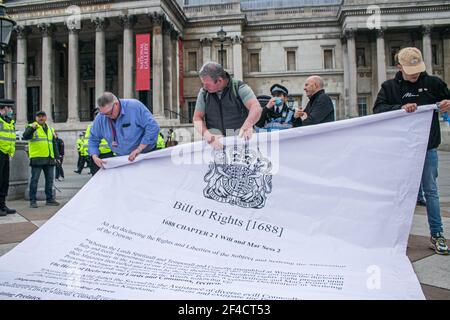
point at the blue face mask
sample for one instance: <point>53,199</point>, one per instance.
<point>278,102</point>
<point>10,114</point>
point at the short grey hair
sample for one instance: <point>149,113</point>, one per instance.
<point>318,80</point>
<point>106,98</point>
<point>213,70</point>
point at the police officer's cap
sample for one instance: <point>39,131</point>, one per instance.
<point>41,113</point>
<point>278,88</point>
<point>6,103</point>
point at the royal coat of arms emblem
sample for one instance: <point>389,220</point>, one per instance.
<point>239,176</point>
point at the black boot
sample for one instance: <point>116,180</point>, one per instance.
<point>8,210</point>
<point>4,209</point>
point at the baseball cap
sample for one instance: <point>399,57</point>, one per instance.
<point>41,113</point>
<point>411,60</point>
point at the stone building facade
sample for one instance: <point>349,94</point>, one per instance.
<point>68,52</point>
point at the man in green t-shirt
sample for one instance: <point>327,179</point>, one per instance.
<point>224,106</point>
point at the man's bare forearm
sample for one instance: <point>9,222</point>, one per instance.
<point>253,116</point>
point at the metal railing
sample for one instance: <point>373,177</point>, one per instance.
<point>176,115</point>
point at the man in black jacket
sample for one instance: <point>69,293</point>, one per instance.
<point>319,109</point>
<point>410,88</point>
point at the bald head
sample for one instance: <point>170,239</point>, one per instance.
<point>312,85</point>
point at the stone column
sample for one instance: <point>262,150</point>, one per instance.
<point>167,62</point>
<point>237,57</point>
<point>346,78</point>
<point>100,55</point>
<point>206,49</point>
<point>47,67</point>
<point>21,92</point>
<point>157,66</point>
<point>446,44</point>
<point>120,67</point>
<point>353,75</point>
<point>381,58</point>
<point>175,73</point>
<point>74,77</point>
<point>9,76</point>
<point>128,55</point>
<point>427,51</point>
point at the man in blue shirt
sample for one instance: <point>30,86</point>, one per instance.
<point>126,124</point>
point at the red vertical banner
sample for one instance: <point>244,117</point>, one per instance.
<point>143,62</point>
<point>181,71</point>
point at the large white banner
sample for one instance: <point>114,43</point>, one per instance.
<point>320,212</point>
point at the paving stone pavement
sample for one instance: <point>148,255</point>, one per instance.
<point>431,269</point>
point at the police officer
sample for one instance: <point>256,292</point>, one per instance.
<point>7,149</point>
<point>85,159</point>
<point>79,147</point>
<point>105,150</point>
<point>43,155</point>
<point>160,143</point>
<point>276,115</point>
<point>170,142</point>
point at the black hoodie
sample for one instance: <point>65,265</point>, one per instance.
<point>428,89</point>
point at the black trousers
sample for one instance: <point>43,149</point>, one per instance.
<point>79,161</point>
<point>92,164</point>
<point>4,177</point>
<point>83,161</point>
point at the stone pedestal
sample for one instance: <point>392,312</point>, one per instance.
<point>19,173</point>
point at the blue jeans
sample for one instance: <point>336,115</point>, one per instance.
<point>430,189</point>
<point>49,176</point>
<point>420,196</point>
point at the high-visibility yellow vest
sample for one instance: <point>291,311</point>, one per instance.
<point>41,145</point>
<point>7,137</point>
<point>84,147</point>
<point>79,144</point>
<point>103,146</point>
<point>160,143</point>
